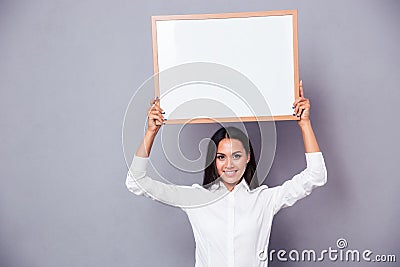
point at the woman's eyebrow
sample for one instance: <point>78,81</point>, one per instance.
<point>232,152</point>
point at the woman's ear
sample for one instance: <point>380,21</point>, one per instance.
<point>248,158</point>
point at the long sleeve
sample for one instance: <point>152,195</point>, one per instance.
<point>139,183</point>
<point>302,184</point>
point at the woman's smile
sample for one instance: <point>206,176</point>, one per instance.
<point>230,173</point>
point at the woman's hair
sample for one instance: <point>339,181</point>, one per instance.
<point>211,172</point>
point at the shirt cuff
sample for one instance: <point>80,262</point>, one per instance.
<point>139,164</point>
<point>315,160</point>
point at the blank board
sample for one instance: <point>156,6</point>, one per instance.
<point>226,67</point>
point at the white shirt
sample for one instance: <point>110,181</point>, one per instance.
<point>233,229</point>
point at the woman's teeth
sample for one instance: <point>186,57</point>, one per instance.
<point>230,173</point>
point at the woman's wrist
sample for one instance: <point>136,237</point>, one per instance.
<point>150,134</point>
<point>304,123</point>
<point>309,140</point>
<point>145,147</point>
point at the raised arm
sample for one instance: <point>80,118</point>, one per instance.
<point>302,109</point>
<point>139,183</point>
<point>154,122</point>
<point>314,174</point>
<point>137,180</point>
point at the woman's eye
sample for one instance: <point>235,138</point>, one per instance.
<point>237,156</point>
<point>220,157</point>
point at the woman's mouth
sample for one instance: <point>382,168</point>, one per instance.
<point>230,173</point>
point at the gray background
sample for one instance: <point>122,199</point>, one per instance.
<point>67,72</point>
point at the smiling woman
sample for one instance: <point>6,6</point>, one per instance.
<point>233,160</point>
<point>234,228</point>
<point>230,162</point>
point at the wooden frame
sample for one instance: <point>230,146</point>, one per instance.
<point>292,14</point>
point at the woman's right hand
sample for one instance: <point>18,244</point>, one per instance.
<point>155,116</point>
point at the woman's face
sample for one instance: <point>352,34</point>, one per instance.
<point>231,161</point>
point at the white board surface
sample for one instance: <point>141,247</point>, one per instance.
<point>261,48</point>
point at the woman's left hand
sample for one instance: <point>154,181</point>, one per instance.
<point>302,106</point>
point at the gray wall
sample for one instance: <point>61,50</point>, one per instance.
<point>67,72</point>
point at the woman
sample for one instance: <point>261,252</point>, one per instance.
<point>234,229</point>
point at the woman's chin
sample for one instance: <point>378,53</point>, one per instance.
<point>231,180</point>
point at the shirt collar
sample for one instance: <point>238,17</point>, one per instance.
<point>244,184</point>
<point>219,185</point>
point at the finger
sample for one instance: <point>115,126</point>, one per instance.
<point>158,123</point>
<point>156,119</point>
<point>299,99</point>
<point>156,107</point>
<point>305,102</point>
<point>298,111</point>
<point>300,105</point>
<point>301,113</point>
<point>301,88</point>
<point>301,92</point>
<point>158,113</point>
<point>153,101</point>
<point>302,108</point>
<point>302,101</point>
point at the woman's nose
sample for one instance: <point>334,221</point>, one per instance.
<point>229,163</point>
